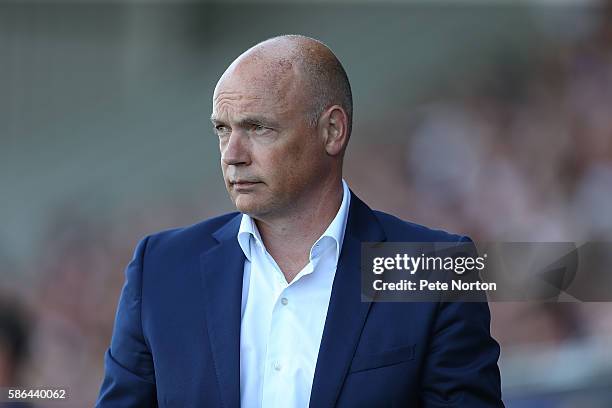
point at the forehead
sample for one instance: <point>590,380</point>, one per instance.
<point>256,89</point>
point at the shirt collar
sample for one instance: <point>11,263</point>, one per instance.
<point>334,232</point>
<point>247,230</point>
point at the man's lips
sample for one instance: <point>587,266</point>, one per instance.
<point>243,185</point>
<point>244,182</point>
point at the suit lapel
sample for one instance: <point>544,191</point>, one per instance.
<point>222,270</point>
<point>346,314</point>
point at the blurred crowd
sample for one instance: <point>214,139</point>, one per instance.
<point>520,153</point>
<point>525,154</point>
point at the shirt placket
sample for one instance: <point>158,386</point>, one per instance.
<point>277,362</point>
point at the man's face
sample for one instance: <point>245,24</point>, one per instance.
<point>271,158</point>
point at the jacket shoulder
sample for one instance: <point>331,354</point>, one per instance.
<point>398,230</point>
<point>193,237</point>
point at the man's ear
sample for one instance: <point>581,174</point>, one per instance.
<point>333,126</point>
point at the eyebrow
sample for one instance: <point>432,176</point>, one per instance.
<point>245,122</point>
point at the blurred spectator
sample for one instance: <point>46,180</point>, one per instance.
<point>14,342</point>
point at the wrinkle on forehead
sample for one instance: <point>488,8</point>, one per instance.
<point>252,86</point>
<point>243,105</point>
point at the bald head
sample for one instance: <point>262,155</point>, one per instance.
<point>303,63</point>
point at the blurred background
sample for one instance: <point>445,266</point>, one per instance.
<point>491,119</point>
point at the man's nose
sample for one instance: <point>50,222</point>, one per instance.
<point>235,152</point>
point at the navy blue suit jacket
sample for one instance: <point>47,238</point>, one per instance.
<point>176,340</point>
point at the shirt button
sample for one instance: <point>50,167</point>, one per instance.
<point>277,366</point>
<point>284,301</point>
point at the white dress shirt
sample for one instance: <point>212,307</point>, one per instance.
<point>282,323</point>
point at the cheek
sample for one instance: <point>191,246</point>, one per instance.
<point>273,161</point>
<point>301,166</point>
<point>283,164</point>
<point>287,164</point>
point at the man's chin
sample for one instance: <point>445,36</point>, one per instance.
<point>246,203</point>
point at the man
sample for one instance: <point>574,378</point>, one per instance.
<point>262,308</point>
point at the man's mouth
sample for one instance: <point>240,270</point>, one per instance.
<point>243,185</point>
<point>244,182</point>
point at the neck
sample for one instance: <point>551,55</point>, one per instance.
<point>289,238</point>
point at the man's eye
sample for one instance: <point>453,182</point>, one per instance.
<point>259,129</point>
<point>221,129</point>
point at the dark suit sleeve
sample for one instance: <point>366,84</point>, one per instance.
<point>461,364</point>
<point>129,379</point>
